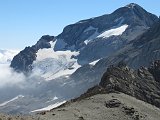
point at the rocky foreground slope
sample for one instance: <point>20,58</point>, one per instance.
<point>113,106</point>
<point>141,84</point>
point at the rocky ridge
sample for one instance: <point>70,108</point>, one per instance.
<point>140,84</point>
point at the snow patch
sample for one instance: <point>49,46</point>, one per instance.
<point>55,98</point>
<point>132,5</point>
<point>5,103</point>
<point>87,41</point>
<point>52,43</point>
<point>49,107</point>
<point>94,62</point>
<point>115,32</point>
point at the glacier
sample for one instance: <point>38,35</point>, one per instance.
<point>51,64</point>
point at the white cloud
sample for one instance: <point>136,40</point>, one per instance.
<point>8,77</point>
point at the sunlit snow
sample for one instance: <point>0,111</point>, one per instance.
<point>94,62</point>
<point>115,32</point>
<point>49,107</point>
<point>50,64</point>
<point>6,102</point>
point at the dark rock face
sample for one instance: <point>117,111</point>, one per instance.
<point>155,70</point>
<point>140,84</point>
<point>22,62</point>
<point>149,35</point>
<point>44,42</point>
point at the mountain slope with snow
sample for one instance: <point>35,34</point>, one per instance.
<point>68,64</point>
<point>95,38</point>
<point>50,64</point>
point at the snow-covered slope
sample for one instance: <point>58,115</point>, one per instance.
<point>93,38</point>
<point>50,64</point>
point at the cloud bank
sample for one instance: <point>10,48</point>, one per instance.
<point>8,77</point>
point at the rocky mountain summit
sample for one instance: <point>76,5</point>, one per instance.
<point>132,15</point>
<point>94,38</point>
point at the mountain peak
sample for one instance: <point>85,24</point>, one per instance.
<point>132,5</point>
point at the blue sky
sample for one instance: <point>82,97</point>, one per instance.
<point>23,22</point>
